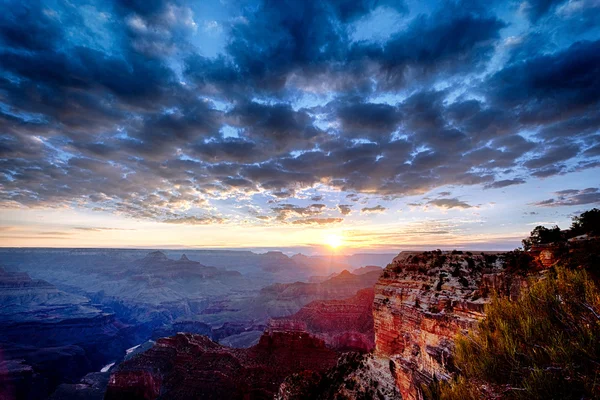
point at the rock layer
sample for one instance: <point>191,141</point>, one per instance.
<point>345,325</point>
<point>49,336</point>
<point>355,376</point>
<point>423,300</point>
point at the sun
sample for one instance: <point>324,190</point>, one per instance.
<point>333,241</point>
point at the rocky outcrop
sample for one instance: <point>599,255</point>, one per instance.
<point>156,256</point>
<point>19,381</point>
<point>345,325</point>
<point>91,387</point>
<point>423,300</point>
<point>355,376</point>
<point>189,366</point>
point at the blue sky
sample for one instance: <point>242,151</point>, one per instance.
<point>262,124</point>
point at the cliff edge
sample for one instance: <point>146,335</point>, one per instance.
<point>423,300</point>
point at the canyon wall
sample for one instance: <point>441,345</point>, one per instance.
<point>423,300</point>
<point>344,325</point>
<point>48,337</point>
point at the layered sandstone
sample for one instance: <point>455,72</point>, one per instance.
<point>344,325</point>
<point>423,300</point>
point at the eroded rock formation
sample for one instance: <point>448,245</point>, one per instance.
<point>355,376</point>
<point>345,325</point>
<point>423,300</point>
<point>48,336</point>
<point>188,366</point>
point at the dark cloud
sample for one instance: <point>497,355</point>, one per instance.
<point>377,209</point>
<point>286,210</point>
<point>535,9</point>
<point>445,42</point>
<point>504,183</point>
<point>368,119</point>
<point>572,198</point>
<point>345,209</point>
<point>550,86</point>
<point>275,127</point>
<point>553,155</point>
<point>449,203</point>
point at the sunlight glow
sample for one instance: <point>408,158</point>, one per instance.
<point>333,241</point>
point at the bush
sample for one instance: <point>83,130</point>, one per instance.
<point>588,222</point>
<point>584,255</point>
<point>545,345</point>
<point>542,235</point>
<point>517,261</point>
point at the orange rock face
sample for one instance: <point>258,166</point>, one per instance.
<point>422,301</point>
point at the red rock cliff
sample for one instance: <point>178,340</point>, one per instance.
<point>188,366</point>
<point>345,325</point>
<point>422,301</point>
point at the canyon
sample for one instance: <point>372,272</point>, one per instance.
<point>49,336</point>
<point>372,332</point>
<point>308,343</point>
<point>388,340</point>
<point>68,313</point>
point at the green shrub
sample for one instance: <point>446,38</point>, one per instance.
<point>545,345</point>
<point>517,261</point>
<point>588,222</point>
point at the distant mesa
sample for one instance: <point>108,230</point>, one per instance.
<point>366,269</point>
<point>184,258</point>
<point>157,256</point>
<point>344,275</point>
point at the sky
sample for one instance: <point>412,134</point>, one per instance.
<point>280,124</point>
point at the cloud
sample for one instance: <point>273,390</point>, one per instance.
<point>113,106</point>
<point>193,220</point>
<point>549,87</point>
<point>449,203</point>
<point>504,183</point>
<point>317,221</point>
<point>572,197</point>
<point>377,209</point>
<point>345,209</point>
<point>535,9</point>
